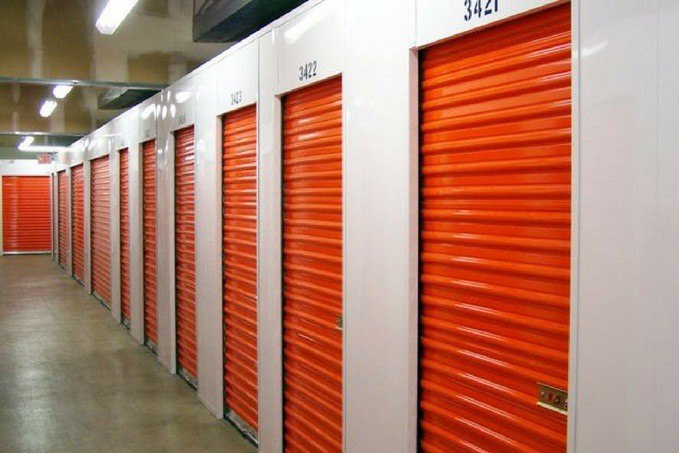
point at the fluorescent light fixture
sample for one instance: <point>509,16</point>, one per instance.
<point>26,142</point>
<point>27,145</point>
<point>61,91</point>
<point>113,15</point>
<point>48,107</point>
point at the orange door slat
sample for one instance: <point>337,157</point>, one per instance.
<point>149,186</point>
<point>185,264</point>
<point>26,219</point>
<point>101,233</point>
<point>312,267</point>
<point>62,179</point>
<point>78,222</point>
<point>125,236</point>
<point>495,218</point>
<point>239,221</point>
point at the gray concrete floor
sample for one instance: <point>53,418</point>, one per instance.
<point>71,379</point>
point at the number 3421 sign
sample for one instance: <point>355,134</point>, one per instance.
<point>442,19</point>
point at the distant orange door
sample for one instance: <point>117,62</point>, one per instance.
<point>239,220</point>
<point>149,186</point>
<point>185,254</point>
<point>101,229</point>
<point>26,219</point>
<point>62,180</point>
<point>495,228</point>
<point>312,267</point>
<point>125,236</point>
<point>78,222</point>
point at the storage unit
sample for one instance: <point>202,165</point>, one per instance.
<point>78,222</point>
<point>125,236</point>
<point>312,267</point>
<point>101,229</point>
<point>62,180</point>
<point>185,256</point>
<point>239,235</point>
<point>26,219</point>
<point>149,225</point>
<point>495,229</point>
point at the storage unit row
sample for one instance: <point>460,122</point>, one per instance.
<point>384,226</point>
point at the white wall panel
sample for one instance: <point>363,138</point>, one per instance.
<point>165,237</point>
<point>269,277</point>
<point>236,81</point>
<point>180,101</point>
<point>380,165</point>
<point>666,338</point>
<point>208,238</point>
<point>147,114</point>
<point>87,225</point>
<point>24,168</point>
<point>310,46</point>
<point>136,230</point>
<point>627,360</point>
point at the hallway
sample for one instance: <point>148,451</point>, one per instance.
<point>73,380</point>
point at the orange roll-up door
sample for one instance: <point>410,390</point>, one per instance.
<point>149,186</point>
<point>239,221</point>
<point>125,236</point>
<point>185,254</point>
<point>495,217</point>
<point>78,222</point>
<point>101,233</point>
<point>26,219</point>
<point>62,179</point>
<point>312,267</point>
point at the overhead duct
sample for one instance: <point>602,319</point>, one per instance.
<point>123,98</point>
<point>232,20</point>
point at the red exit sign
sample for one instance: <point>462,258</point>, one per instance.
<point>44,158</point>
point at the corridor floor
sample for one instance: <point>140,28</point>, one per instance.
<point>71,379</point>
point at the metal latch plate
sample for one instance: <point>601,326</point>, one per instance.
<point>553,399</point>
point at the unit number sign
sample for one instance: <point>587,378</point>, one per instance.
<point>475,9</point>
<point>236,97</point>
<point>308,70</point>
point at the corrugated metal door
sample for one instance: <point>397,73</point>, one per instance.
<point>62,179</point>
<point>185,257</point>
<point>26,219</point>
<point>312,267</point>
<point>125,236</point>
<point>78,222</point>
<point>239,221</point>
<point>150,313</point>
<point>101,234</point>
<point>495,217</point>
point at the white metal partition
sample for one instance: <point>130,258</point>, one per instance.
<point>381,158</point>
